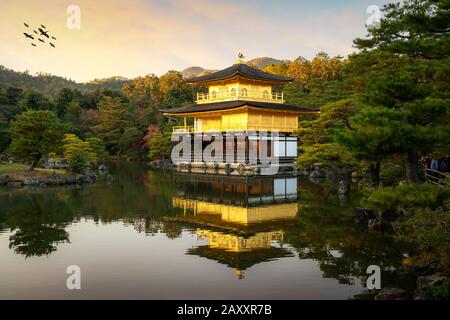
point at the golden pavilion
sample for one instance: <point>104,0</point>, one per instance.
<point>241,101</point>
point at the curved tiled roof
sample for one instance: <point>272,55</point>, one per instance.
<point>242,70</point>
<point>233,105</point>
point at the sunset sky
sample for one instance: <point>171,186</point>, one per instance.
<point>137,37</point>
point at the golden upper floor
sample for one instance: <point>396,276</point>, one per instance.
<point>239,91</point>
<point>240,82</point>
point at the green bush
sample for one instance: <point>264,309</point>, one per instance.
<point>424,222</point>
<point>428,231</point>
<point>441,292</point>
<point>405,197</point>
<point>392,174</point>
<point>159,146</point>
<point>79,161</point>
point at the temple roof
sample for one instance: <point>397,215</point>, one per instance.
<point>243,70</point>
<point>233,105</point>
<point>240,260</point>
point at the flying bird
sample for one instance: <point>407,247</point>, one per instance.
<point>44,33</point>
<point>40,31</point>
<point>28,35</point>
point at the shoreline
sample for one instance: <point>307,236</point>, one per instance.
<point>16,176</point>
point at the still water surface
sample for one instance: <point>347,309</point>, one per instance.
<point>155,235</point>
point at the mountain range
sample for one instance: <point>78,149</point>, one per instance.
<point>259,63</point>
<point>51,84</point>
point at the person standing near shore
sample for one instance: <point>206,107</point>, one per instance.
<point>434,165</point>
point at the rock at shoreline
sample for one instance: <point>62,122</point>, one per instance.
<point>53,180</point>
<point>162,164</point>
<point>429,281</point>
<point>391,294</point>
<point>344,187</point>
<point>425,282</point>
<point>89,178</point>
<point>109,178</point>
<point>4,179</point>
<point>92,177</point>
<point>48,181</point>
<point>420,295</point>
<point>318,172</point>
<point>303,172</point>
<point>70,180</point>
<point>31,181</point>
<point>15,184</point>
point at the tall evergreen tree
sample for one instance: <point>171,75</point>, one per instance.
<point>404,68</point>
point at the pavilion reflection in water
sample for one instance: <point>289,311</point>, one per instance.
<point>241,218</point>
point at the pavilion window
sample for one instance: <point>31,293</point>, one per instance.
<point>233,92</point>
<point>244,92</point>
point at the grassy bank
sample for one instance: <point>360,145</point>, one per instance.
<point>18,171</point>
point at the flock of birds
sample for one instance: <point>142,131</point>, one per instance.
<point>43,32</point>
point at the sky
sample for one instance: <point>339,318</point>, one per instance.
<point>133,38</point>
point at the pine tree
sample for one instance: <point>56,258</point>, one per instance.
<point>403,73</point>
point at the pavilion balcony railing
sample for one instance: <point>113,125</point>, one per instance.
<point>241,94</point>
<point>183,129</point>
<point>234,128</point>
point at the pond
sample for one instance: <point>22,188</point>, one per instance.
<point>153,235</point>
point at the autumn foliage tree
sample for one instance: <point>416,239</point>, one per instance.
<point>74,145</point>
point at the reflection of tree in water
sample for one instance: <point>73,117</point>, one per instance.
<point>150,226</point>
<point>172,230</point>
<point>37,232</point>
<point>37,240</point>
<point>329,236</point>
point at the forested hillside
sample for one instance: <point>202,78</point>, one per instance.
<point>50,84</point>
